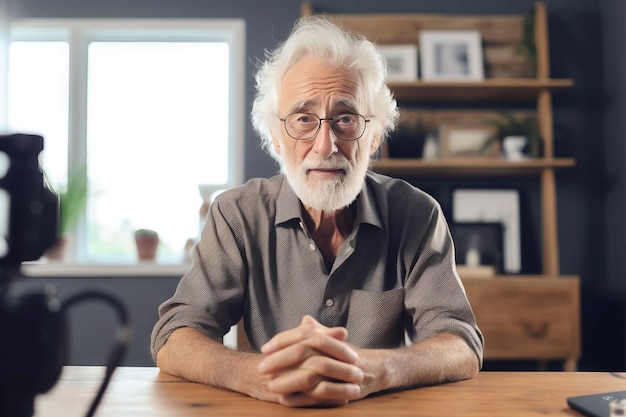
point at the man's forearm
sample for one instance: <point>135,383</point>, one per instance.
<point>443,358</point>
<point>191,355</point>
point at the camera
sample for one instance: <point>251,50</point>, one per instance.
<point>31,355</point>
<point>28,208</point>
<point>33,325</point>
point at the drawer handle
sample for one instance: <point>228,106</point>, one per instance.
<point>536,331</point>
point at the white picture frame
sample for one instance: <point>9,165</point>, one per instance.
<point>467,140</point>
<point>451,55</point>
<point>493,205</point>
<point>402,62</point>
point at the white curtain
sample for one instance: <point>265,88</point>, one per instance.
<point>5,26</point>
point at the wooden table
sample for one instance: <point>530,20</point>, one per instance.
<point>147,392</point>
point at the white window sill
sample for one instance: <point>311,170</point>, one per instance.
<point>60,269</point>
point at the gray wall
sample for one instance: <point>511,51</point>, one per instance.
<point>586,40</point>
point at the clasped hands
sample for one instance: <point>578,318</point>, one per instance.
<point>313,365</point>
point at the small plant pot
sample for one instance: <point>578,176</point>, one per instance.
<point>147,242</point>
<point>62,250</point>
<point>514,146</point>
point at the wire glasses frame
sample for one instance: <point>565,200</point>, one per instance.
<point>305,126</point>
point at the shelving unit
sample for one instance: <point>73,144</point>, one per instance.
<point>409,166</point>
<point>490,90</point>
<point>535,317</point>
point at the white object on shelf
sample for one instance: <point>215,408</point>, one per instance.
<point>431,148</point>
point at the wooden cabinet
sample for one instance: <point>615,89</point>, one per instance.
<point>528,317</point>
<point>522,317</point>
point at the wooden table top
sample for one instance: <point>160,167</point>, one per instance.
<point>147,392</point>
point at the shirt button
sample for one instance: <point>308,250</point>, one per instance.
<point>312,246</point>
<point>330,302</point>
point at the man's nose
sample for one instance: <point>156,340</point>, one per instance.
<point>324,140</point>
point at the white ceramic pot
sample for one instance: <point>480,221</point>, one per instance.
<point>513,147</point>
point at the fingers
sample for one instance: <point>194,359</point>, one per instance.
<point>311,365</point>
<point>308,327</point>
<point>296,353</point>
<point>305,386</point>
<point>313,372</point>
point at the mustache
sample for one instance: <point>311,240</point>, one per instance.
<point>333,162</point>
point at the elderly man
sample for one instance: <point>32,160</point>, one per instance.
<point>345,279</point>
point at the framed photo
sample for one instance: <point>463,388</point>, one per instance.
<point>402,62</point>
<point>468,141</point>
<point>493,205</point>
<point>451,55</point>
<point>478,244</point>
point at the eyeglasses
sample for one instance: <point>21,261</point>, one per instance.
<point>304,126</point>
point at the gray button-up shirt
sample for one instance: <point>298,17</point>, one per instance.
<point>393,277</point>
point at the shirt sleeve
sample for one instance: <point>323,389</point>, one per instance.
<point>209,296</point>
<point>435,297</point>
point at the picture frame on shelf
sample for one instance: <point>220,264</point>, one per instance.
<point>468,140</point>
<point>493,205</point>
<point>402,62</point>
<point>454,55</point>
<point>478,248</point>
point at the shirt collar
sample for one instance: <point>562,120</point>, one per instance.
<point>288,206</point>
<point>287,203</point>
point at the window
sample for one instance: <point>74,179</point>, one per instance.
<point>151,112</point>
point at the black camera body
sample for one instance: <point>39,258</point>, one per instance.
<point>32,325</point>
<point>29,210</point>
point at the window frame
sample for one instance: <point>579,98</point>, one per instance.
<point>79,33</point>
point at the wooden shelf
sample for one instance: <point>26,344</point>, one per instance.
<point>527,278</point>
<point>403,166</point>
<point>490,90</point>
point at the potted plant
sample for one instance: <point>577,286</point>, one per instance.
<point>518,136</point>
<point>147,242</point>
<point>528,47</point>
<point>72,203</point>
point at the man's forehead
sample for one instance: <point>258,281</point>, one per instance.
<point>311,75</point>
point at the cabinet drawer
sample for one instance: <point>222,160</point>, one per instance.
<point>527,318</point>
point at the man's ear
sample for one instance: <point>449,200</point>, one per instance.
<point>375,144</point>
<point>276,144</point>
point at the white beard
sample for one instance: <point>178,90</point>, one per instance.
<point>332,194</point>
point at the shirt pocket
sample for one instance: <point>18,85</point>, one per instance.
<point>375,318</point>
